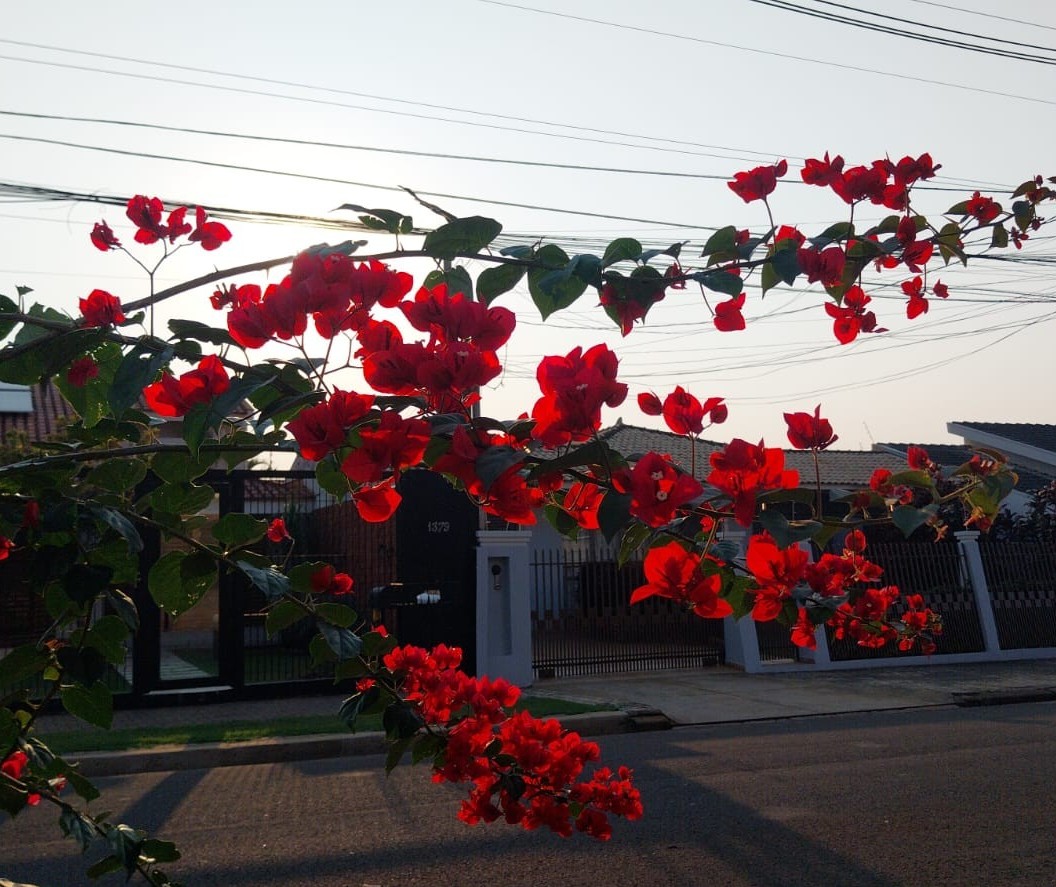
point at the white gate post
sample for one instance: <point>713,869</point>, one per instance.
<point>742,641</point>
<point>969,542</point>
<point>504,613</point>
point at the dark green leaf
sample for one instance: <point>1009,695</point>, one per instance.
<point>104,867</point>
<point>284,614</point>
<point>634,537</point>
<point>912,478</point>
<point>784,531</point>
<point>201,332</point>
<point>908,519</point>
<point>181,498</point>
<point>117,521</point>
<point>118,474</point>
<point>396,752</point>
<point>596,452</point>
<point>833,234</point>
<point>342,641</point>
<point>338,615</point>
<point>94,704</point>
<point>124,608</point>
<point>719,281</point>
<point>401,720</point>
<point>331,478</point>
<point>614,514</point>
<point>427,747</point>
<point>76,825</point>
<point>620,250</point>
<point>179,467</point>
<point>7,306</point>
<point>493,282</point>
<point>382,219</point>
<point>561,521</point>
<point>155,851</point>
<point>469,235</point>
<point>273,583</point>
<point>557,288</point>
<point>107,636</point>
<point>319,651</point>
<point>136,371</point>
<point>178,580</point>
<point>494,462</point>
<point>457,280</point>
<point>205,418</point>
<point>83,582</point>
<point>236,530</point>
<point>999,239</point>
<point>126,842</point>
<point>21,663</point>
<point>722,241</point>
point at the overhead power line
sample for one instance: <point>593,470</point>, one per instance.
<point>990,15</point>
<point>784,55</point>
<point>788,6</point>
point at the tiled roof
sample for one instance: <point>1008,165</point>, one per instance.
<point>954,455</point>
<point>275,490</point>
<point>1031,434</point>
<point>50,413</point>
<point>839,468</point>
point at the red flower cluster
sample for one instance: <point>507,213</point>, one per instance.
<point>684,413</point>
<point>277,531</point>
<point>777,571</point>
<point>82,371</point>
<point>101,309</point>
<point>674,573</point>
<point>14,765</point>
<point>850,317</point>
<point>6,545</point>
<point>321,429</point>
<point>170,396</point>
<point>743,470</point>
<point>883,182</point>
<point>328,581</point>
<point>658,489</point>
<point>575,387</point>
<point>756,184</point>
<point>807,432</point>
<point>728,317</point>
<point>146,214</point>
<point>523,769</point>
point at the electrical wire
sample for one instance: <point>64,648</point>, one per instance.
<point>990,15</point>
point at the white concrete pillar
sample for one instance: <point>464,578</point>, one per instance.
<point>504,613</point>
<point>973,561</point>
<point>742,641</point>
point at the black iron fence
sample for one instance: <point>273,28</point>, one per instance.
<point>583,622</point>
<point>1021,579</point>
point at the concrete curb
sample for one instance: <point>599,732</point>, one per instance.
<point>281,749</point>
<point>1004,696</point>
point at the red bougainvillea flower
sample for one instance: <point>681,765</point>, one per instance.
<point>983,209</point>
<point>917,304</point>
<point>657,489</point>
<point>175,397</point>
<point>728,317</point>
<point>103,238</point>
<point>582,502</point>
<point>917,458</point>
<point>14,765</point>
<point>824,266</point>
<point>824,173</point>
<point>685,414</point>
<point>101,309</point>
<point>650,404</point>
<point>250,325</point>
<point>145,214</point>
<point>574,388</point>
<point>376,504</point>
<point>5,548</point>
<point>395,444</point>
<point>788,233</point>
<point>742,470</point>
<point>277,531</point>
<point>851,318</point>
<point>940,289</point>
<point>756,184</point>
<point>176,226</point>
<point>672,572</point>
<point>909,170</point>
<point>777,571</point>
<point>628,300</point>
<point>82,371</point>
<point>326,580</point>
<point>803,633</point>
<point>321,429</point>
<point>211,235</point>
<point>807,432</point>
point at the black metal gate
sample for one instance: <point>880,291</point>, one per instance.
<point>583,622</point>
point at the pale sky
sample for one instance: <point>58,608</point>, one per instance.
<point>698,88</point>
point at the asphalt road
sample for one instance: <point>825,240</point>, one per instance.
<point>926,797</point>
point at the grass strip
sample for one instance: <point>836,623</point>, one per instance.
<point>89,740</point>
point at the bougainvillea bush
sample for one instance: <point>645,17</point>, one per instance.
<point>368,373</point>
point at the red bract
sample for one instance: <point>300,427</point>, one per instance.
<point>211,235</point>
<point>145,214</point>
<point>101,309</point>
<point>627,301</point>
<point>824,173</point>
<point>657,489</point>
<point>918,459</point>
<point>176,397</point>
<point>728,317</point>
<point>103,238</point>
<point>235,295</point>
<point>650,404</point>
<point>917,304</point>
<point>5,548</point>
<point>803,634</point>
<point>743,470</point>
<point>326,580</point>
<point>175,226</point>
<point>250,325</point>
<point>851,318</point>
<point>756,184</point>
<point>807,432</point>
<point>575,387</point>
<point>674,573</point>
<point>983,209</point>
<point>909,170</point>
<point>321,429</point>
<point>684,414</point>
<point>31,515</point>
<point>457,317</point>
<point>777,571</point>
<point>824,266</point>
<point>13,766</point>
<point>277,531</point>
<point>82,371</point>
<point>582,502</point>
<point>395,444</point>
<point>378,503</point>
<point>940,289</point>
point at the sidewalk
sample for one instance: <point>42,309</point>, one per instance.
<point>651,700</point>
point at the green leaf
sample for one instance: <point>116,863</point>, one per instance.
<point>136,371</point>
<point>784,531</point>
<point>182,498</point>
<point>356,704</point>
<point>908,519</point>
<point>494,462</point>
<point>469,235</point>
<point>614,514</point>
<point>319,651</point>
<point>338,615</point>
<point>722,241</point>
<point>382,219</point>
<point>912,478</point>
<point>396,752</point>
<point>94,704</point>
<point>177,468</point>
<point>154,851</point>
<point>401,720</point>
<point>121,524</point>
<point>178,580</point>
<point>273,583</point>
<point>736,594</point>
<point>720,282</point>
<point>107,636</point>
<point>200,332</point>
<point>561,521</point>
<point>124,607</point>
<point>76,825</point>
<point>621,249</point>
<point>999,239</point>
<point>493,282</point>
<point>284,614</point>
<point>118,474</point>
<point>104,867</point>
<point>204,418</point>
<point>342,641</point>
<point>83,582</point>
<point>633,538</point>
<point>7,306</point>
<point>126,842</point>
<point>457,280</point>
<point>428,746</point>
<point>21,663</point>
<point>237,530</point>
<point>331,478</point>
<point>596,452</point>
<point>834,234</point>
<point>553,288</point>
